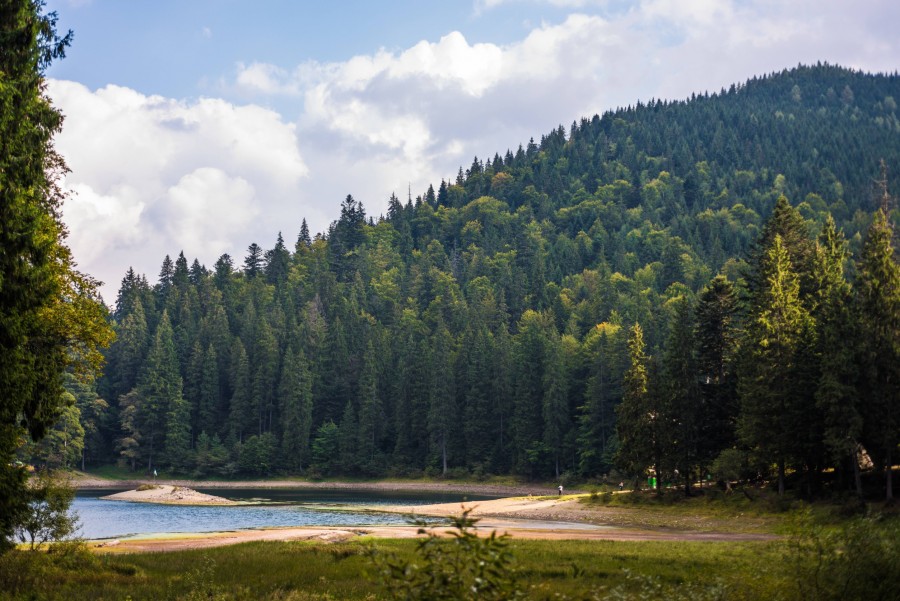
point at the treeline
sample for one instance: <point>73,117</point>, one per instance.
<point>483,327</point>
<point>794,370</point>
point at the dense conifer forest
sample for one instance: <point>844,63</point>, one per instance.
<point>707,286</point>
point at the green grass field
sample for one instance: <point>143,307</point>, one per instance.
<point>299,571</point>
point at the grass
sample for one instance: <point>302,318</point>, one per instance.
<point>302,570</point>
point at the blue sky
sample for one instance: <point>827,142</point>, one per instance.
<point>205,125</point>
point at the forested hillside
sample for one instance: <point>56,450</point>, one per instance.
<point>494,324</point>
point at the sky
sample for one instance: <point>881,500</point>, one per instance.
<point>203,126</point>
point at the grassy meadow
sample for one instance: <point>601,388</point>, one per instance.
<point>303,570</point>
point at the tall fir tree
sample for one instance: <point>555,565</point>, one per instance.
<point>159,391</point>
<point>771,414</point>
<point>878,311</point>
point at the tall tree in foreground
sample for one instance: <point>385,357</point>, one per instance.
<point>633,413</point>
<point>769,384</point>
<point>836,396</point>
<point>878,308</point>
<point>715,341</point>
<point>49,315</point>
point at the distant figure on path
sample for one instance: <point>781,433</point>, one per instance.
<point>560,490</point>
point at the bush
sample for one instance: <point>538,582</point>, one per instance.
<point>858,560</point>
<point>48,518</point>
<point>462,566</point>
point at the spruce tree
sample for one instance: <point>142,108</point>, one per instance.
<point>770,387</point>
<point>295,398</point>
<point>878,312</point>
<point>50,318</point>
<point>837,340</point>
<point>716,339</point>
<point>633,414</point>
<point>682,391</point>
<point>160,393</point>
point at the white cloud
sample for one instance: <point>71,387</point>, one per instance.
<point>152,176</point>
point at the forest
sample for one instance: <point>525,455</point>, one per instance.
<point>691,288</point>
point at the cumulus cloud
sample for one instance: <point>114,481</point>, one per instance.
<point>151,176</point>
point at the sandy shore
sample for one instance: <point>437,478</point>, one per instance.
<point>536,518</point>
<point>168,495</point>
<point>522,513</point>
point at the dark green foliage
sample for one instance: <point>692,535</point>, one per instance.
<point>878,307</point>
<point>50,319</point>
<point>771,386</point>
<point>481,327</point>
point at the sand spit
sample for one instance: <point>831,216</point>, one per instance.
<point>168,495</point>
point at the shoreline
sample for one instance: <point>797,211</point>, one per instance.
<point>94,482</point>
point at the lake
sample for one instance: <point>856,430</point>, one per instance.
<point>277,507</point>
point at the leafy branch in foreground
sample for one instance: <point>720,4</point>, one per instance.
<point>48,518</point>
<point>452,565</point>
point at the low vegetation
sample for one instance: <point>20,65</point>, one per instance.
<point>856,560</point>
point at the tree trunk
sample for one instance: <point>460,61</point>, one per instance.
<point>781,477</point>
<point>889,479</point>
<point>857,478</point>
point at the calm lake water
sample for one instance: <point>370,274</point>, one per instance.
<point>278,507</point>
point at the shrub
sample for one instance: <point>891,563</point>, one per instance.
<point>48,518</point>
<point>858,560</point>
<point>462,566</point>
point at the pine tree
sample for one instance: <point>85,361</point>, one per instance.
<point>606,354</point>
<point>295,398</point>
<point>47,308</point>
<point>716,340</point>
<point>770,389</point>
<point>836,395</point>
<point>371,410</point>
<point>634,413</point>
<point>240,411</point>
<point>277,262</point>
<point>878,311</point>
<point>555,404</point>
<point>159,391</point>
<point>442,412</point>
<point>682,391</point>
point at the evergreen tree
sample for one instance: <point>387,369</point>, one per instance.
<point>878,311</point>
<point>556,403</point>
<point>771,413</point>
<point>716,340</point>
<point>371,410</point>
<point>50,317</point>
<point>304,241</point>
<point>683,401</point>
<point>240,411</point>
<point>443,419</point>
<point>278,262</point>
<point>606,356</point>
<point>253,262</point>
<point>159,392</point>
<point>634,413</point>
<point>295,394</point>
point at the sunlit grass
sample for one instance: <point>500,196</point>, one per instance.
<point>304,570</point>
